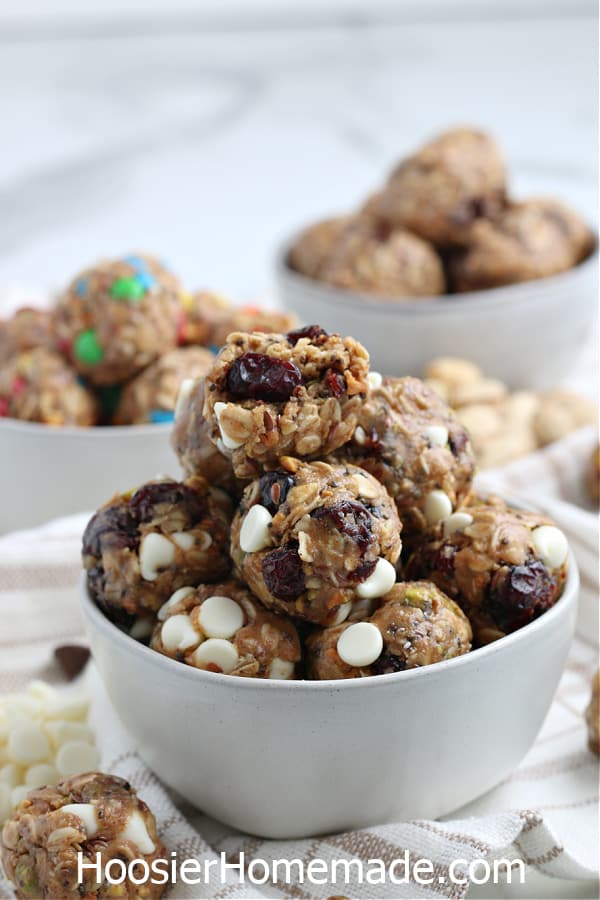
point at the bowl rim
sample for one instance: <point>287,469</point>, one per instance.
<point>451,304</point>
<point>97,620</point>
<point>102,432</point>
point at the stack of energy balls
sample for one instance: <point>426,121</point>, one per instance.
<point>444,222</point>
<point>115,346</point>
<point>326,527</point>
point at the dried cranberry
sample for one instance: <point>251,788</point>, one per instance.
<point>382,231</point>
<point>4,406</point>
<point>388,663</point>
<point>373,441</point>
<point>362,571</point>
<point>313,332</point>
<point>256,376</point>
<point>274,487</point>
<point>518,594</point>
<point>146,501</point>
<point>114,527</point>
<point>334,383</point>
<point>458,441</point>
<point>443,561</point>
<point>283,573</point>
<point>350,518</point>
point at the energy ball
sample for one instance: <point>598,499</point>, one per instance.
<point>152,395</point>
<point>86,814</point>
<point>253,319</point>
<point>39,386</point>
<point>223,628</point>
<point>118,317</point>
<point>310,539</point>
<point>142,546</point>
<point>371,257</point>
<point>592,475</point>
<point>298,394</point>
<point>527,240</point>
<point>191,441</point>
<point>412,442</point>
<point>26,329</point>
<point>314,246</point>
<point>415,625</point>
<point>201,315</point>
<point>592,716</point>
<point>445,187</point>
<point>502,565</point>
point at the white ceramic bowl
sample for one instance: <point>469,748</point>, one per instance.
<point>528,335</point>
<point>288,759</point>
<point>48,472</point>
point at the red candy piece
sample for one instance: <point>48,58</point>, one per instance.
<point>64,346</point>
<point>4,407</point>
<point>18,386</point>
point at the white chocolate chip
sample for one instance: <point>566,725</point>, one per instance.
<point>173,599</point>
<point>70,706</point>
<point>365,487</point>
<point>41,691</point>
<point>437,435</point>
<point>18,794</point>
<point>551,544</point>
<point>375,380</point>
<point>136,832</point>
<point>380,581</point>
<point>361,609</point>
<point>281,669</point>
<point>220,617</point>
<point>228,442</point>
<point>343,612</point>
<point>360,644</point>
<point>438,506</point>
<point>360,435</point>
<point>41,775</point>
<point>76,756</point>
<point>141,628</point>
<point>10,774</point>
<point>217,651</point>
<point>255,533</point>
<point>183,395</point>
<point>458,521</point>
<point>204,540</point>
<point>27,743</point>
<point>178,633</point>
<point>61,731</point>
<point>6,806</point>
<point>156,552</point>
<point>303,547</point>
<point>183,539</point>
<point>87,815</point>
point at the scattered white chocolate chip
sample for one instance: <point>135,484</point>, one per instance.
<point>19,793</point>
<point>6,806</point>
<point>375,380</point>
<point>365,487</point>
<point>437,435</point>
<point>228,442</point>
<point>10,774</point>
<point>183,395</point>
<point>438,506</point>
<point>156,553</point>
<point>60,732</point>
<point>360,435</point>
<point>41,775</point>
<point>304,547</point>
<point>27,743</point>
<point>360,644</point>
<point>281,669</point>
<point>141,628</point>
<point>255,533</point>
<point>458,521</point>
<point>218,652</point>
<point>173,599</point>
<point>551,544</point>
<point>183,539</point>
<point>76,756</point>
<point>136,831</point>
<point>220,617</point>
<point>68,706</point>
<point>86,813</point>
<point>342,614</point>
<point>178,633</point>
<point>380,581</point>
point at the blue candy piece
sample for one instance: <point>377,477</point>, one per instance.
<point>136,262</point>
<point>158,416</point>
<point>81,286</point>
<point>214,348</point>
<point>146,280</point>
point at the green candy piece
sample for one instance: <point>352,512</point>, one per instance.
<point>127,289</point>
<point>87,349</point>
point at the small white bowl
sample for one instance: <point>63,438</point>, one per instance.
<point>53,471</point>
<point>528,334</point>
<point>287,759</point>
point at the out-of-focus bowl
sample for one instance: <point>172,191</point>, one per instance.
<point>528,334</point>
<point>286,759</point>
<point>53,471</point>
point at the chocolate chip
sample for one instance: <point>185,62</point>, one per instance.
<point>72,659</point>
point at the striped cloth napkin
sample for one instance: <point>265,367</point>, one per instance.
<point>545,813</point>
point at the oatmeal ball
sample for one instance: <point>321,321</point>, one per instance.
<point>415,625</point>
<point>88,814</point>
<point>560,412</point>
<point>253,319</point>
<point>527,240</point>
<point>117,317</point>
<point>412,442</point>
<point>445,187</point>
<point>202,314</point>
<point>223,628</point>
<point>592,716</point>
<point>152,395</point>
<point>26,329</point>
<point>311,538</point>
<point>39,386</point>
<point>374,258</point>
<point>592,479</point>
<point>191,441</point>
<point>142,546</point>
<point>299,394</point>
<point>314,246</point>
<point>503,566</point>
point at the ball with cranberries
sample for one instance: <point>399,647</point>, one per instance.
<point>313,540</point>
